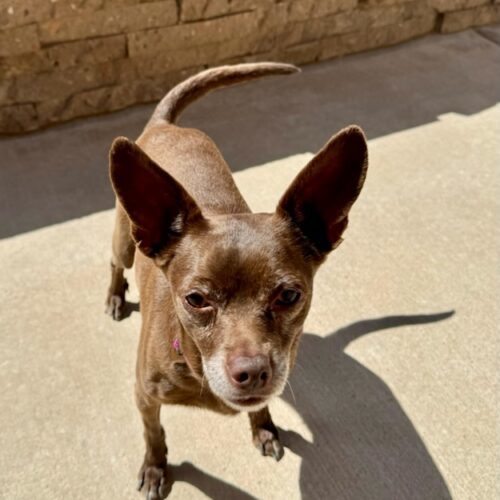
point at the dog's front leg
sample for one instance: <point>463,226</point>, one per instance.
<point>265,435</point>
<point>123,248</point>
<point>153,473</point>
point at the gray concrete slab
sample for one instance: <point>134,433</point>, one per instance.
<point>395,394</point>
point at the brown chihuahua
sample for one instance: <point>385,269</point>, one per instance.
<point>224,292</point>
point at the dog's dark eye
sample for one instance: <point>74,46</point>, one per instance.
<point>288,297</point>
<point>197,300</point>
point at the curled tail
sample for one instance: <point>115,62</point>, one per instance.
<point>170,107</point>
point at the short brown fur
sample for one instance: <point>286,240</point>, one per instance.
<point>224,292</point>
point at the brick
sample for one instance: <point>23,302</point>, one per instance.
<point>192,34</point>
<point>272,25</point>
<point>240,47</point>
<point>197,10</point>
<point>292,34</point>
<point>6,92</point>
<point>19,41</point>
<point>202,55</point>
<point>147,90</point>
<point>378,3</point>
<point>150,89</point>
<point>245,5</point>
<point>300,10</point>
<point>50,110</point>
<point>364,19</point>
<point>109,22</point>
<point>18,118</point>
<point>370,39</point>
<point>140,91</point>
<point>150,66</point>
<point>109,98</point>
<point>31,63</point>
<point>65,8</point>
<point>251,58</point>
<point>66,55</point>
<point>63,83</point>
<point>86,103</point>
<point>323,8</point>
<point>193,10</point>
<point>217,8</point>
<point>460,20</point>
<point>450,5</point>
<point>90,102</point>
<point>18,13</point>
<point>123,3</point>
<point>87,52</point>
<point>302,53</point>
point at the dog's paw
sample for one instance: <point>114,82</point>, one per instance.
<point>114,306</point>
<point>269,444</point>
<point>153,482</point>
<point>115,301</point>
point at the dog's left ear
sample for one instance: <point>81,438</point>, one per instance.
<point>158,207</point>
<point>320,197</point>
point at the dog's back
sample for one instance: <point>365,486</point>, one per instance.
<point>193,159</point>
<point>189,155</point>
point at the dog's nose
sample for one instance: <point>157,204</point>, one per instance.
<point>248,372</point>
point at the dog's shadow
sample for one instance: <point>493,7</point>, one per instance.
<point>363,444</point>
<point>211,486</point>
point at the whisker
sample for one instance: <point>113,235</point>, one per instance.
<point>299,365</point>
<point>291,390</point>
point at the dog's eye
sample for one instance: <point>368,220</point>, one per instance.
<point>197,300</point>
<point>288,297</point>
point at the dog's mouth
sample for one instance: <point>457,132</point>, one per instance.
<point>249,401</point>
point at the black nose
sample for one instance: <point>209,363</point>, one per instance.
<point>249,372</point>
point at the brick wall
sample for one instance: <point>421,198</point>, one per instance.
<point>60,59</point>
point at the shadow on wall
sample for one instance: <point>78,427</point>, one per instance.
<point>61,173</point>
<point>364,446</point>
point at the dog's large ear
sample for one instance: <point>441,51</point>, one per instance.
<point>319,199</point>
<point>158,207</point>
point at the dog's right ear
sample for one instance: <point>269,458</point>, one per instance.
<point>158,207</point>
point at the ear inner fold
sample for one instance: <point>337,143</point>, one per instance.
<point>157,205</point>
<point>319,199</point>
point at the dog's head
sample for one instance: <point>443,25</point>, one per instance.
<point>242,283</point>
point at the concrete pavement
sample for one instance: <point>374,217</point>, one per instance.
<point>395,394</point>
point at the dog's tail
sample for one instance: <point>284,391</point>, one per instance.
<point>198,85</point>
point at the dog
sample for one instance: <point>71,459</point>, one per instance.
<point>224,292</point>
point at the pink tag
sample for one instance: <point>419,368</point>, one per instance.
<point>176,345</point>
